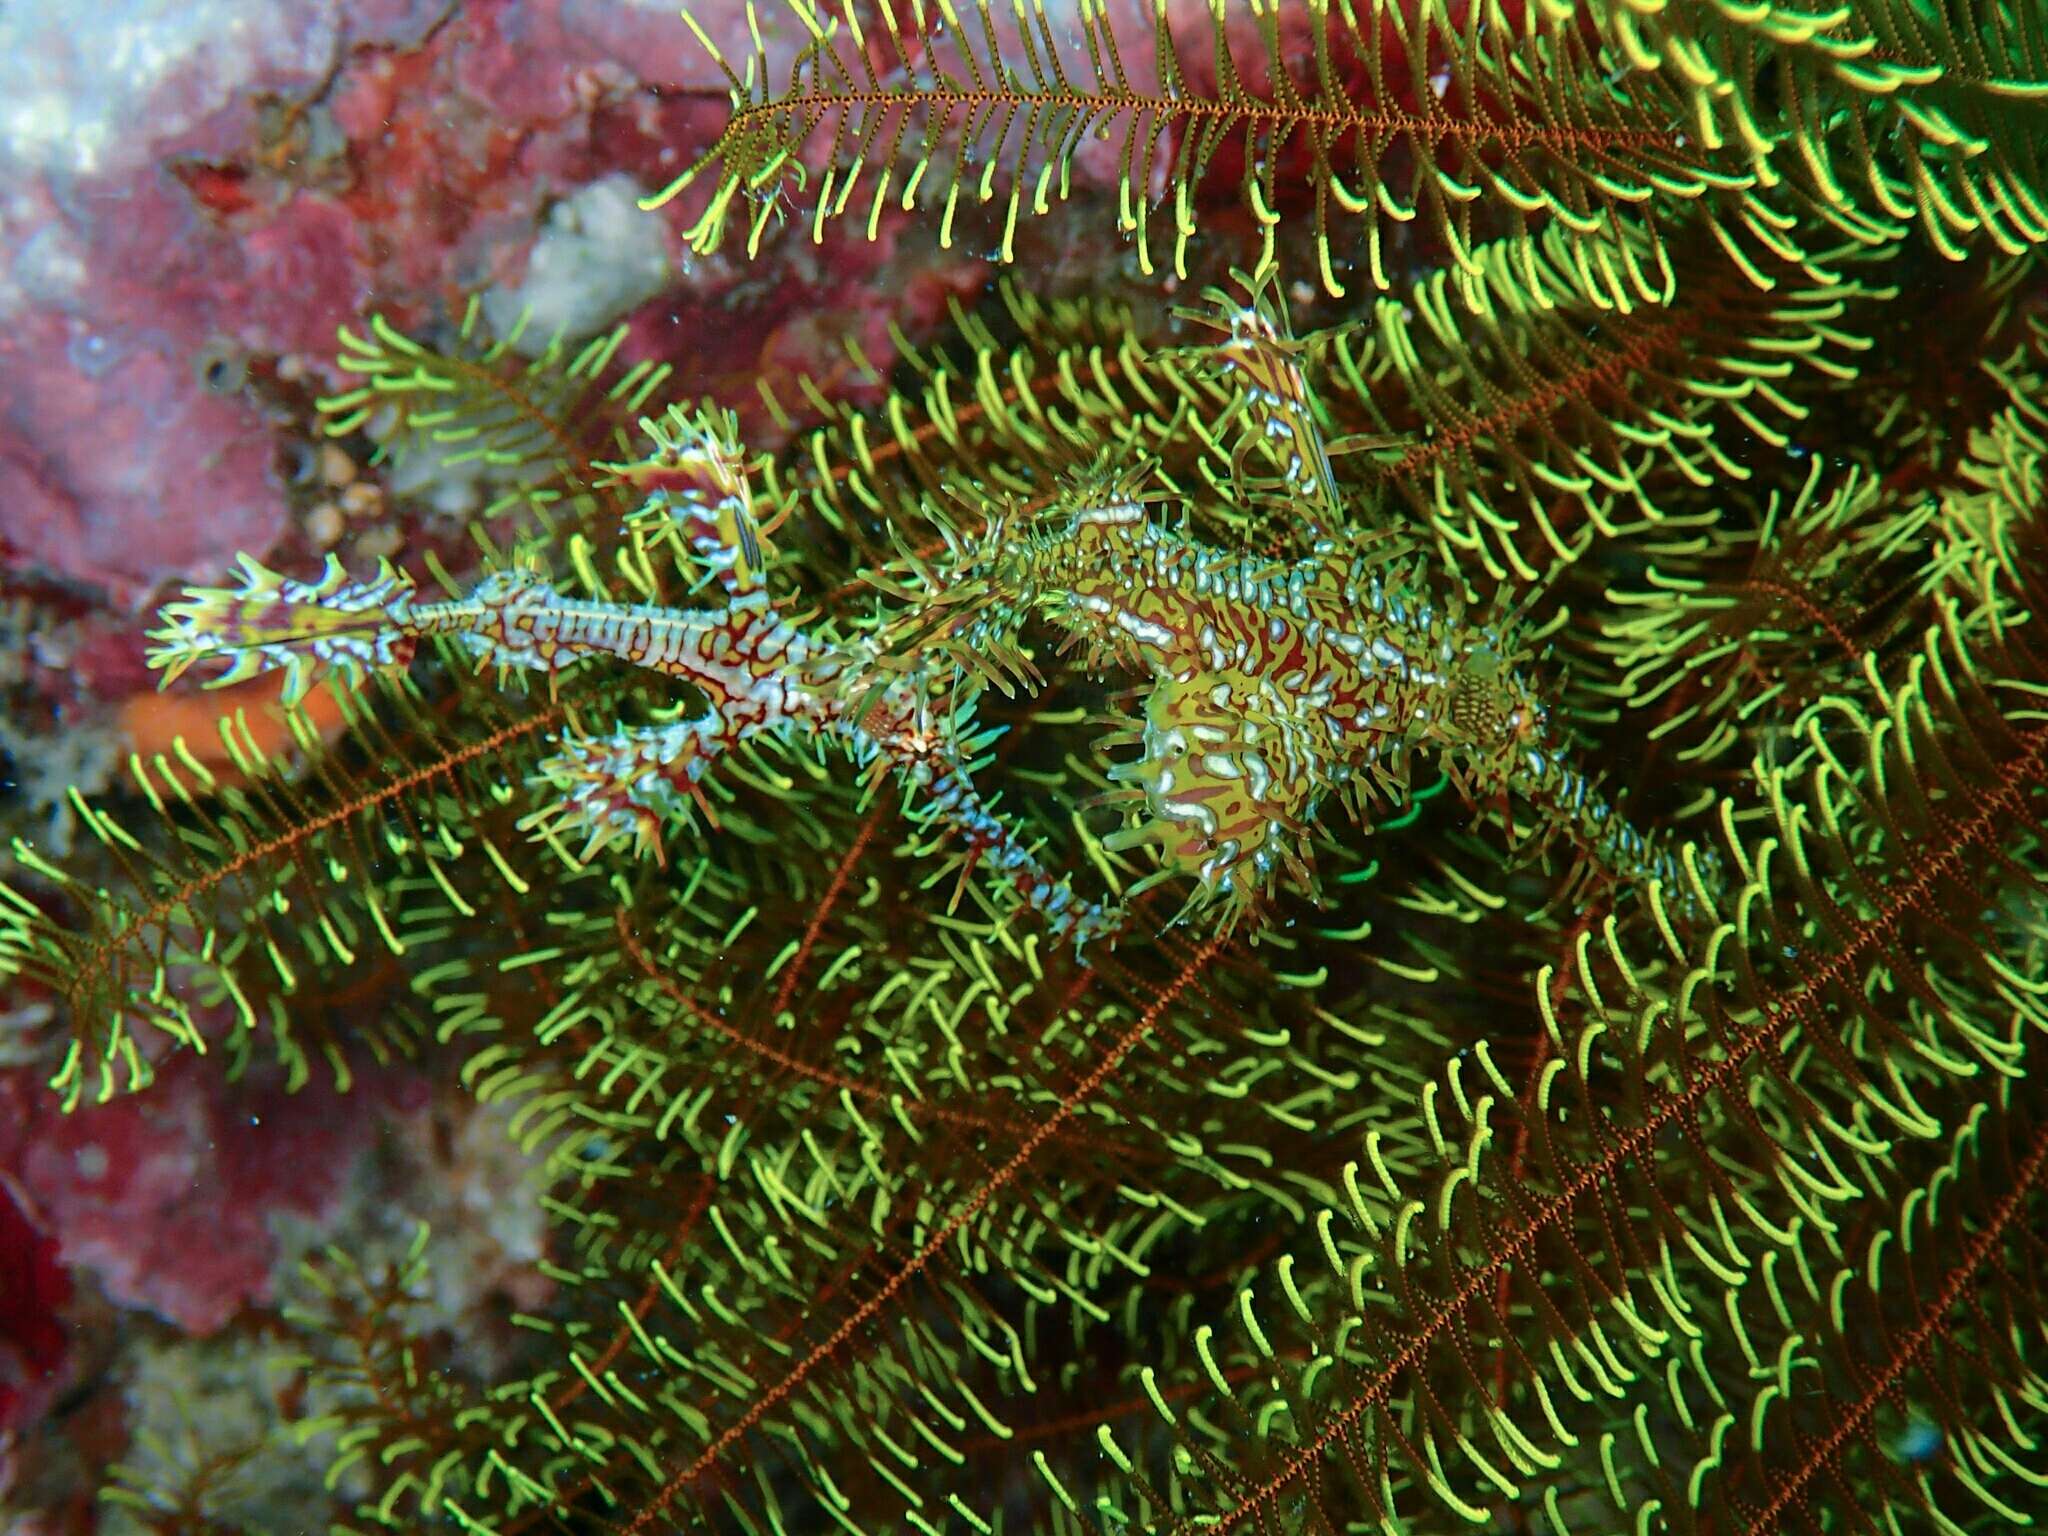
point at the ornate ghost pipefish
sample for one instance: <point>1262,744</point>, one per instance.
<point>761,673</point>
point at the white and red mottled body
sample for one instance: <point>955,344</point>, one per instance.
<point>759,673</point>
<point>1276,685</point>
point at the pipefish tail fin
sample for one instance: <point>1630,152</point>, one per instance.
<point>269,622</point>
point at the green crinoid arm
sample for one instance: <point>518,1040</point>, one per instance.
<point>1398,112</point>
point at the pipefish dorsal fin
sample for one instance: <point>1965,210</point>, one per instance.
<point>697,478</point>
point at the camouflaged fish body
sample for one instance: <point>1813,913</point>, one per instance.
<point>759,672</point>
<point>1275,686</point>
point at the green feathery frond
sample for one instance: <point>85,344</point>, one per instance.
<point>1390,114</point>
<point>533,426</point>
<point>1887,115</point>
<point>1731,625</point>
<point>1543,418</point>
<point>245,902</point>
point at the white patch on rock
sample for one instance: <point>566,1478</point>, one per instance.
<point>598,257</point>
